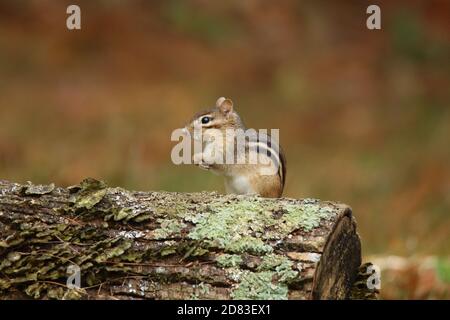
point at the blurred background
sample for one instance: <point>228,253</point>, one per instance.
<point>364,116</point>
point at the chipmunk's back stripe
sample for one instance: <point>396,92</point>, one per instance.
<point>282,173</point>
<point>265,148</point>
<point>281,159</point>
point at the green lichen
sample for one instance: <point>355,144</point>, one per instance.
<point>39,289</point>
<point>37,189</point>
<point>199,291</point>
<point>5,284</point>
<point>111,248</point>
<point>269,281</point>
<point>230,228</point>
<point>91,192</point>
<point>74,294</point>
<point>245,226</point>
<point>306,217</point>
<point>121,214</point>
<point>40,265</point>
<point>247,244</point>
<point>281,265</point>
<point>168,228</point>
<point>229,260</point>
<point>203,288</point>
<point>120,204</point>
<point>167,251</point>
<point>34,290</point>
<point>259,286</point>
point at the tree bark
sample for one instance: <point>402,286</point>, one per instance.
<point>161,245</point>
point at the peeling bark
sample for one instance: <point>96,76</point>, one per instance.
<point>161,245</point>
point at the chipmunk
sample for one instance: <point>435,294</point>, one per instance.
<point>221,129</point>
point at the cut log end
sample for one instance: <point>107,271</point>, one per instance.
<point>338,267</point>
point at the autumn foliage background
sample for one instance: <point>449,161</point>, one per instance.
<point>363,115</point>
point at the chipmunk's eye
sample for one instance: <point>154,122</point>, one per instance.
<point>206,120</point>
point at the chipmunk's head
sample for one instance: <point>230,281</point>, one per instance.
<point>220,117</point>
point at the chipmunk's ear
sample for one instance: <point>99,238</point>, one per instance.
<point>225,105</point>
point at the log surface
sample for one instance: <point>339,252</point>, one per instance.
<point>161,245</point>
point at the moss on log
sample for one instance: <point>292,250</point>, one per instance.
<point>161,245</point>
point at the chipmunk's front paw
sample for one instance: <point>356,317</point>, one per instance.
<point>204,166</point>
<point>198,161</point>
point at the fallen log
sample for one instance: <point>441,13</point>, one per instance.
<point>160,245</point>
